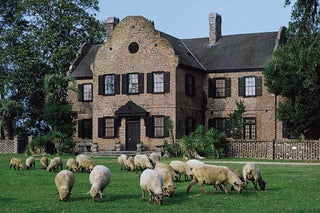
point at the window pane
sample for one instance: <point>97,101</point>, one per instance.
<point>249,128</point>
<point>87,92</point>
<point>109,84</point>
<point>250,86</point>
<point>109,127</point>
<point>220,88</point>
<point>159,126</point>
<point>133,81</point>
<point>158,82</point>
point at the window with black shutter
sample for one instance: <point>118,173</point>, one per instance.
<point>220,124</point>
<point>133,83</point>
<point>108,127</point>
<point>85,128</point>
<point>109,84</point>
<point>156,126</point>
<point>219,87</point>
<point>189,125</point>
<point>158,82</point>
<point>287,131</point>
<point>250,86</point>
<point>250,128</point>
<point>190,85</point>
<point>85,92</point>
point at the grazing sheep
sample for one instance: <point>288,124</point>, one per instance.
<point>238,173</point>
<point>154,158</point>
<point>71,165</point>
<point>142,161</point>
<point>54,164</point>
<point>99,178</point>
<point>168,187</point>
<point>130,164</point>
<point>16,163</point>
<point>252,172</point>
<point>44,162</point>
<point>84,163</point>
<point>64,181</point>
<point>193,163</point>
<point>122,161</point>
<point>181,168</point>
<point>214,175</point>
<point>30,162</point>
<point>151,181</point>
<point>167,166</point>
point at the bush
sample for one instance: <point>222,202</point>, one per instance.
<point>172,149</point>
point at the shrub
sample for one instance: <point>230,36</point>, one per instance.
<point>172,149</point>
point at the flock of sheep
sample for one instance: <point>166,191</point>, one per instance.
<point>157,178</point>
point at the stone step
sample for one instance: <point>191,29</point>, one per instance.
<point>115,153</point>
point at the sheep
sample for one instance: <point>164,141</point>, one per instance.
<point>214,175</point>
<point>44,162</point>
<point>130,164</point>
<point>181,168</point>
<point>84,163</point>
<point>236,172</point>
<point>30,162</point>
<point>154,157</point>
<point>16,163</point>
<point>54,164</point>
<point>122,161</point>
<point>151,181</point>
<point>142,161</point>
<point>192,163</point>
<point>168,187</point>
<point>64,181</point>
<point>252,172</point>
<point>71,165</point>
<point>167,166</point>
<point>100,178</point>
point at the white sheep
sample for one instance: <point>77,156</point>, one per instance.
<point>122,161</point>
<point>151,181</point>
<point>252,172</point>
<point>181,168</point>
<point>193,163</point>
<point>84,163</point>
<point>154,158</point>
<point>30,162</point>
<point>44,162</point>
<point>142,161</point>
<point>54,164</point>
<point>16,163</point>
<point>99,178</point>
<point>214,175</point>
<point>167,166</point>
<point>130,164</point>
<point>168,187</point>
<point>64,181</point>
<point>71,165</point>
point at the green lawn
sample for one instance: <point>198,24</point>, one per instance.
<point>289,189</point>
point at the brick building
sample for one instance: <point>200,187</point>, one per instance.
<point>129,86</point>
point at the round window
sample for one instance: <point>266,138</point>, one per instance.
<point>133,47</point>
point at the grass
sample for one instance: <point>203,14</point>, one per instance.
<point>289,189</point>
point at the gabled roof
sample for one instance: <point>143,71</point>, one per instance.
<point>130,109</point>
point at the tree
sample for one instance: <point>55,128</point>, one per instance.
<point>9,110</point>
<point>235,121</point>
<point>294,72</point>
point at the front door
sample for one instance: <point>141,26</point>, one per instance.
<point>132,133</point>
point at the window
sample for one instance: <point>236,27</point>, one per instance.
<point>220,124</point>
<point>132,83</point>
<point>107,127</point>
<point>133,47</point>
<point>219,87</point>
<point>85,92</point>
<point>287,131</point>
<point>109,84</point>
<point>159,124</point>
<point>190,85</point>
<point>250,86</point>
<point>155,126</point>
<point>189,125</point>
<point>85,128</point>
<point>158,82</point>
<point>250,128</point>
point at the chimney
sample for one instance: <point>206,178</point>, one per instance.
<point>111,24</point>
<point>214,27</point>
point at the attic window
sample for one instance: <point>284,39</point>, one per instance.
<point>133,47</point>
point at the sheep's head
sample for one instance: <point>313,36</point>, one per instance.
<point>64,195</point>
<point>169,191</point>
<point>49,168</point>
<point>262,184</point>
<point>95,194</point>
<point>237,185</point>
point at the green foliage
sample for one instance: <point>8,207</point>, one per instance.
<point>9,111</point>
<point>236,122</point>
<point>172,149</point>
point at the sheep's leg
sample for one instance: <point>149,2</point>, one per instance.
<point>255,185</point>
<point>150,198</point>
<point>191,184</point>
<point>226,189</point>
<point>215,186</point>
<point>142,192</point>
<point>203,189</point>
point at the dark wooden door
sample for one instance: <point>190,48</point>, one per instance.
<point>132,133</point>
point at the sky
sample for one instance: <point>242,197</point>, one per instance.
<point>189,18</point>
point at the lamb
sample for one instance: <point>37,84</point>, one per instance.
<point>181,168</point>
<point>151,181</point>
<point>214,175</point>
<point>252,172</point>
<point>168,187</point>
<point>64,181</point>
<point>84,163</point>
<point>16,163</point>
<point>30,162</point>
<point>154,157</point>
<point>54,164</point>
<point>238,173</point>
<point>44,162</point>
<point>71,165</point>
<point>167,166</point>
<point>100,178</point>
<point>192,163</point>
<point>142,161</point>
<point>122,161</point>
<point>130,164</point>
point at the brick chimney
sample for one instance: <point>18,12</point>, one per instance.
<point>111,24</point>
<point>214,27</point>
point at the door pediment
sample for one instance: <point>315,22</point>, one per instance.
<point>131,109</point>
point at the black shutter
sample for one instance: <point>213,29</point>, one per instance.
<point>149,82</point>
<point>285,130</point>
<point>149,127</point>
<point>124,84</point>
<point>80,128</point>
<point>101,85</point>
<point>80,92</point>
<point>166,131</point>
<point>241,86</point>
<point>258,86</point>
<point>141,83</point>
<point>193,86</point>
<point>166,82</point>
<point>117,123</point>
<point>116,84</point>
<point>101,129</point>
<point>212,88</point>
<point>186,84</point>
<point>228,87</point>
<point>211,123</point>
